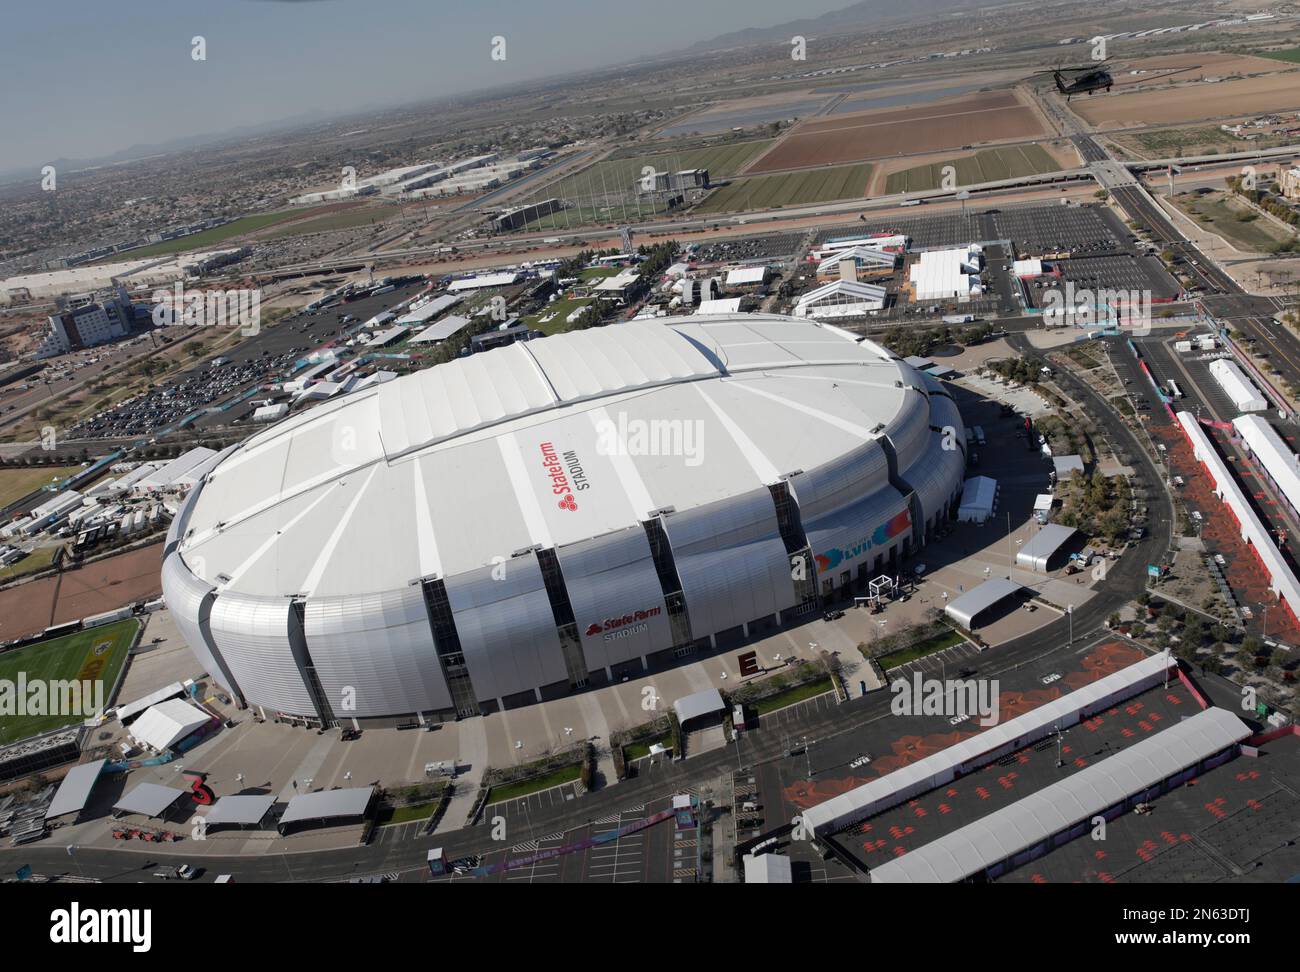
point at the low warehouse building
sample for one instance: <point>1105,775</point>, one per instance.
<point>969,609</point>
<point>1046,546</point>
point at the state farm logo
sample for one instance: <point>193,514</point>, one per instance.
<point>566,475</point>
<point>623,626</point>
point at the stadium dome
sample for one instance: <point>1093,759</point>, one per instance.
<point>556,514</point>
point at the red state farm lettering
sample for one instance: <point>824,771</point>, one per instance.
<point>622,621</point>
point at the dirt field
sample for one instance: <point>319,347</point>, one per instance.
<point>1206,65</point>
<point>98,587</point>
<point>1192,102</point>
<point>978,118</point>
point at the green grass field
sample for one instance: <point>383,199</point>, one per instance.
<point>38,559</point>
<point>96,654</point>
<point>208,238</point>
<point>17,483</point>
<point>919,650</point>
<point>553,320</point>
<point>987,165</point>
<point>790,189</point>
<point>613,176</point>
<point>1291,54</point>
<point>523,788</point>
<point>348,219</point>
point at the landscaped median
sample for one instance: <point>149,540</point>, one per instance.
<point>911,643</point>
<point>568,766</point>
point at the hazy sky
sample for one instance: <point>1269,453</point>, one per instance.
<point>84,78</point>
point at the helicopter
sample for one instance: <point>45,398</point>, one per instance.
<point>1094,77</point>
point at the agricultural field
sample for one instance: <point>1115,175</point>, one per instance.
<point>1194,140</point>
<point>17,483</point>
<point>984,166</point>
<point>1290,54</point>
<point>1232,219</point>
<point>1192,102</point>
<point>990,116</point>
<point>620,175</point>
<point>790,189</point>
<point>96,654</point>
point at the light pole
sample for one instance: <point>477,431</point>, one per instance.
<point>1264,608</point>
<point>1069,613</point>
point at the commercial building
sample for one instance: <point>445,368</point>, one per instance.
<point>1289,182</point>
<point>1244,395</point>
<point>521,216</point>
<point>673,181</point>
<point>948,274</point>
<point>514,525</point>
<point>86,322</point>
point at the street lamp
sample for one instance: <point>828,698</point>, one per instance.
<point>1069,613</point>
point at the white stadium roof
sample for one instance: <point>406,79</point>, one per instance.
<point>443,470</point>
<point>1076,799</point>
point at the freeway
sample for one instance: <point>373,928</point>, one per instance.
<point>1253,316</point>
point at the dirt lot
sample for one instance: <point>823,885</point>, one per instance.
<point>1206,65</point>
<point>98,587</point>
<point>1192,102</point>
<point>978,118</point>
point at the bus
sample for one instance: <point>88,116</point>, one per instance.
<point>1174,391</point>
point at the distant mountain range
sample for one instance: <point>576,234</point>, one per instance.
<point>864,14</point>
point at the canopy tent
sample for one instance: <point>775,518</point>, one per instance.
<point>74,792</point>
<point>148,799</point>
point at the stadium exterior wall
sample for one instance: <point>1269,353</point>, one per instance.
<point>584,613</point>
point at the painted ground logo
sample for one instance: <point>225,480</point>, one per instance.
<point>882,535</point>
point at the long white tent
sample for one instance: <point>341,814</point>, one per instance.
<point>1069,805</point>
<point>943,767</point>
<point>1245,396</point>
<point>1281,580</point>
<point>1281,464</point>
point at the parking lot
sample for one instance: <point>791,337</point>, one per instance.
<point>768,246</point>
<point>205,396</point>
<point>1035,230</point>
<point>615,849</point>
